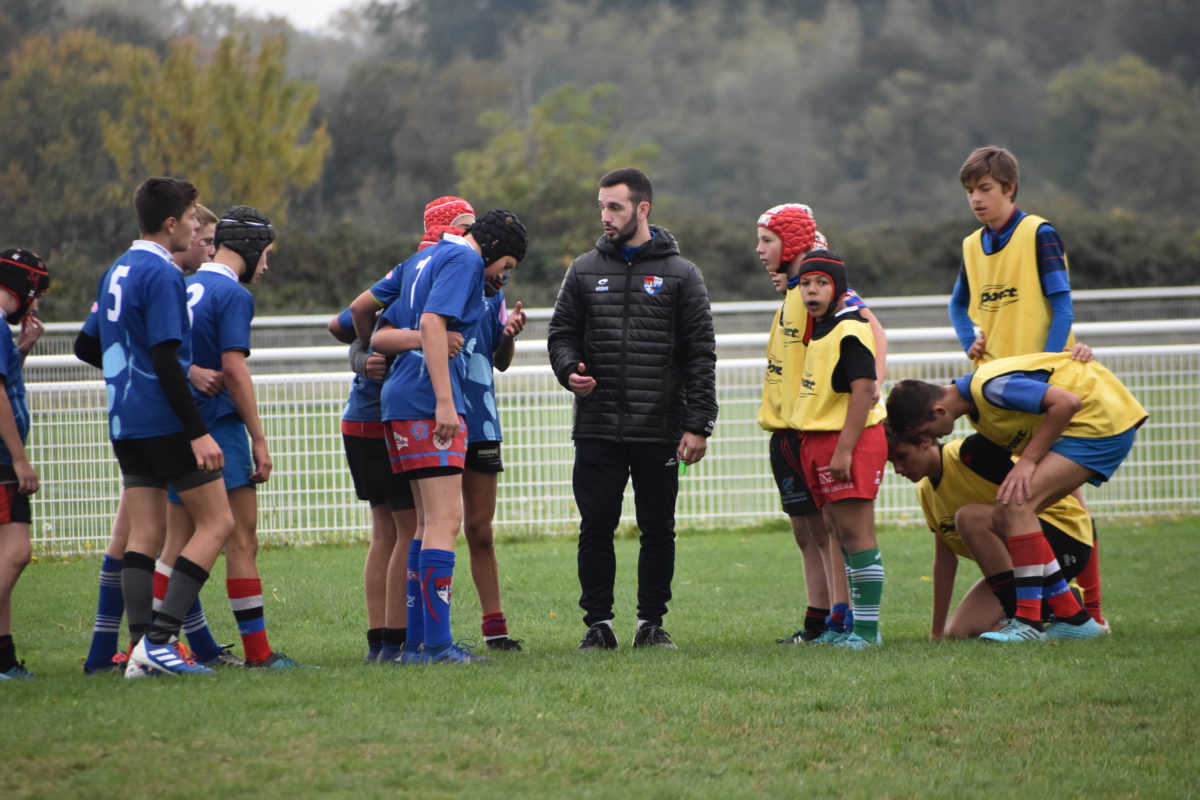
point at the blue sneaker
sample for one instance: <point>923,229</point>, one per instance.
<point>167,659</point>
<point>277,660</point>
<point>852,641</point>
<point>18,673</point>
<point>1014,631</point>
<point>458,653</point>
<point>407,656</point>
<point>1065,630</point>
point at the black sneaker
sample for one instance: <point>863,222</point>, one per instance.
<point>599,637</point>
<point>653,636</point>
<point>803,636</point>
<point>503,643</point>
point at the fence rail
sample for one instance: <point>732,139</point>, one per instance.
<point>310,498</point>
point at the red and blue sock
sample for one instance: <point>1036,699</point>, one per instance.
<point>246,600</point>
<point>416,609</point>
<point>437,578</point>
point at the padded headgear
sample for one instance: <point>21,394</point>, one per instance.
<point>434,233</point>
<point>23,275</point>
<point>247,232</point>
<point>793,223</point>
<point>499,233</point>
<point>832,267</point>
<point>444,210</point>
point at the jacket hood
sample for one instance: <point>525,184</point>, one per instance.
<point>660,245</point>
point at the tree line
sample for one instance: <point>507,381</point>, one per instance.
<point>863,110</point>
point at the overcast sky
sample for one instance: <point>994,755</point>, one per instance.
<point>309,15</point>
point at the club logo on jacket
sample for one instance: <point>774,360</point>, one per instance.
<point>652,283</point>
<point>602,285</point>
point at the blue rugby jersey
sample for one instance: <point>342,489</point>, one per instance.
<point>221,309</point>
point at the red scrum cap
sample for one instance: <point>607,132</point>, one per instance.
<point>793,223</point>
<point>444,210</point>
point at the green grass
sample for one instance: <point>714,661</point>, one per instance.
<point>731,714</point>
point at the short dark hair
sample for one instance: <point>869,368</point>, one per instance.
<point>909,404</point>
<point>991,160</point>
<point>157,199</point>
<point>640,188</point>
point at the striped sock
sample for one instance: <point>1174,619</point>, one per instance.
<point>162,578</point>
<point>187,579</point>
<point>199,637</point>
<point>494,626</point>
<point>1057,593</point>
<point>110,607</point>
<point>416,609</point>
<point>437,579</point>
<point>245,598</point>
<point>866,591</point>
<point>1026,552</point>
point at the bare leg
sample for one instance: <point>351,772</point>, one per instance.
<point>375,569</point>
<point>479,508</point>
<point>978,612</point>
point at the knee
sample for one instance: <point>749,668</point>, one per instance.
<point>242,542</point>
<point>480,535</point>
<point>17,555</point>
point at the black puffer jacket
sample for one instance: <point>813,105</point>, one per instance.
<point>644,329</point>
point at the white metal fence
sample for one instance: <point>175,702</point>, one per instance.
<point>310,498</point>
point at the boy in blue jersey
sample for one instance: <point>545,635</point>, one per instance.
<point>393,511</point>
<point>23,278</point>
<point>221,308</point>
<point>441,289</point>
<point>139,333</point>
<point>490,343</point>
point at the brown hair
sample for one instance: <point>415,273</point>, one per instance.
<point>994,161</point>
<point>204,216</point>
<point>909,404</point>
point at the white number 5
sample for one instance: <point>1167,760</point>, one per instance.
<point>114,288</point>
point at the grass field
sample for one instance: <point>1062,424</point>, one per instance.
<point>730,714</point>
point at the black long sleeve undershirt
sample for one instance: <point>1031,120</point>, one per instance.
<point>174,383</point>
<point>87,350</point>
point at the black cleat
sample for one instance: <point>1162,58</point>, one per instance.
<point>503,643</point>
<point>653,636</point>
<point>599,637</point>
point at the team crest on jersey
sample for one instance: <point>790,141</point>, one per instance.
<point>420,431</point>
<point>399,441</point>
<point>442,587</point>
<point>652,283</point>
<point>602,285</point>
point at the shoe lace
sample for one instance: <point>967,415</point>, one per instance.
<point>186,654</point>
<point>120,657</point>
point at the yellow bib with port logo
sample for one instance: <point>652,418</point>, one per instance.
<point>818,406</point>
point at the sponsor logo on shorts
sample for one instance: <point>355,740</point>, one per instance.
<point>442,443</point>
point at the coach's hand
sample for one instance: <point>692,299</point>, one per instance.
<point>579,383</point>
<point>692,447</point>
<point>208,454</point>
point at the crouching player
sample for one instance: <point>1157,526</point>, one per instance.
<point>23,279</point>
<point>957,484</point>
<point>422,403</point>
<point>1070,422</point>
<point>843,449</point>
